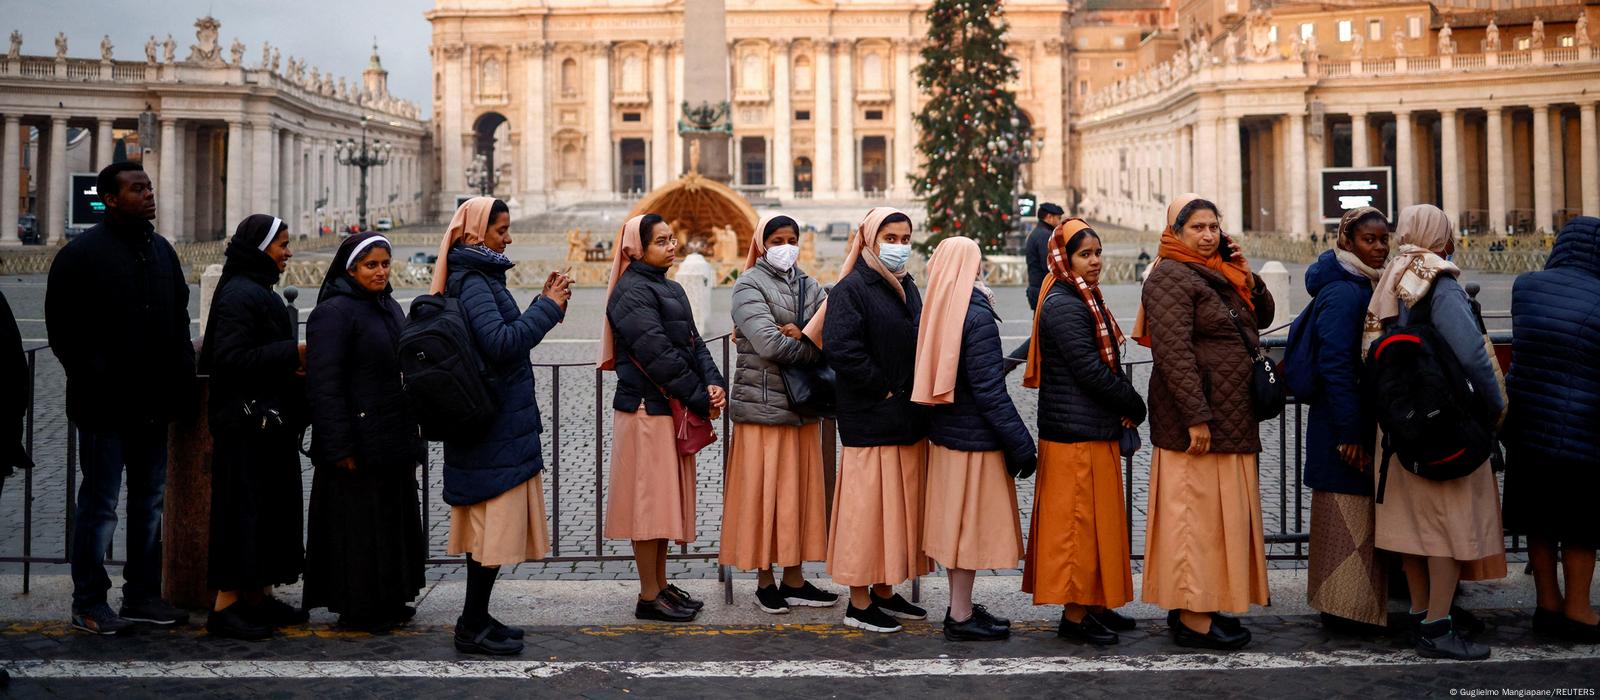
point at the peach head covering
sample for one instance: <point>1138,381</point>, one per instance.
<point>467,227</point>
<point>1423,233</point>
<point>951,274</point>
<point>758,241</point>
<point>629,246</point>
<point>863,246</point>
<point>1140,334</point>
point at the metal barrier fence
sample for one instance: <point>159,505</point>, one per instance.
<point>1286,506</point>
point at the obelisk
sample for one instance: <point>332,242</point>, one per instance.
<point>705,121</point>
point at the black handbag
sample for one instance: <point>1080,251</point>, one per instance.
<point>812,388</point>
<point>1128,443</point>
<point>1267,393</point>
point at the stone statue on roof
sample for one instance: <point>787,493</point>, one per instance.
<point>15,51</point>
<point>1491,37</point>
<point>1581,29</point>
<point>1538,32</point>
<point>236,51</point>
<point>1447,45</point>
<point>150,51</point>
<point>169,50</point>
<point>105,48</point>
<point>61,46</point>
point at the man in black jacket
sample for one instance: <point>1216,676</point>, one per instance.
<point>14,392</point>
<point>1036,250</point>
<point>117,313</point>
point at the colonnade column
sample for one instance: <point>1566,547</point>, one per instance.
<point>286,180</point>
<point>1449,165</point>
<point>1232,177</point>
<point>234,199</point>
<point>847,111</point>
<point>1185,176</point>
<point>168,221</point>
<point>261,171</point>
<point>1297,175</point>
<point>1405,156</point>
<point>1360,152</point>
<point>822,115</point>
<point>660,113</point>
<point>10,177</point>
<point>1495,137</point>
<point>1543,219</point>
<point>1588,161</point>
<point>454,177</point>
<point>1205,148</point>
<point>678,157</point>
<point>104,148</point>
<point>1316,158</point>
<point>904,95</point>
<point>55,225</point>
<point>533,128</point>
<point>782,162</point>
<point>1052,176</point>
<point>600,176</point>
<point>297,184</point>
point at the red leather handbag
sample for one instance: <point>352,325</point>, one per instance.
<point>691,431</point>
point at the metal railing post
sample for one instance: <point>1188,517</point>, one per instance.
<point>555,461</point>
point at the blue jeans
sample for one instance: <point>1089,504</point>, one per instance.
<point>143,451</point>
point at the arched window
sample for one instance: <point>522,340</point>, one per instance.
<point>491,79</point>
<point>569,76</point>
<point>753,75</point>
<point>802,74</point>
<point>633,73</point>
<point>872,71</point>
<point>571,163</point>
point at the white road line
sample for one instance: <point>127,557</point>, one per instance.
<point>944,667</point>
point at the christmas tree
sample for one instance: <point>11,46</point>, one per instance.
<point>969,133</point>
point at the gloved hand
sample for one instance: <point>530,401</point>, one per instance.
<point>1022,467</point>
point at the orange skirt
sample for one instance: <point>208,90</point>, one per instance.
<point>1203,546</point>
<point>505,530</point>
<point>1078,537</point>
<point>652,486</point>
<point>774,508</point>
<point>972,520</point>
<point>876,532</point>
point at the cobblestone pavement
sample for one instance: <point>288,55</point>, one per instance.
<point>577,469</point>
<point>1291,657</point>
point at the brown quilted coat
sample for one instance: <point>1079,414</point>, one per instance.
<point>1201,369</point>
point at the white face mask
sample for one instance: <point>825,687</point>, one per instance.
<point>894,256</point>
<point>783,256</point>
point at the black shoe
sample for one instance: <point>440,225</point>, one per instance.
<point>503,629</point>
<point>771,601</point>
<point>873,619</point>
<point>1438,640</point>
<point>899,607</point>
<point>1346,626</point>
<point>370,623</point>
<point>1228,622</point>
<point>993,619</point>
<point>1115,621</point>
<point>1464,622</point>
<point>807,596</point>
<point>231,623</point>
<point>1220,638</point>
<point>153,611</point>
<point>682,599</point>
<point>98,619</point>
<point>1090,631</point>
<point>484,640</point>
<point>976,628</point>
<point>1548,621</point>
<point>274,613</point>
<point>662,609</point>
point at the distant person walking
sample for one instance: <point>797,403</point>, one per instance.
<point>774,502</point>
<point>365,546</point>
<point>1037,254</point>
<point>257,409</point>
<point>117,313</point>
<point>1553,431</point>
<point>15,388</point>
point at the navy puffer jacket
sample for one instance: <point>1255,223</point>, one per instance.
<point>509,453</point>
<point>1554,384</point>
<point>870,340</point>
<point>1081,399</point>
<point>1339,301</point>
<point>982,417</point>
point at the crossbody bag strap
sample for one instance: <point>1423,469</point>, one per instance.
<point>1253,348</point>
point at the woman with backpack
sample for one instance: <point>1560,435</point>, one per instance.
<point>1346,580</point>
<point>868,330</point>
<point>663,367</point>
<point>365,549</point>
<point>1439,528</point>
<point>1204,551</point>
<point>978,443</point>
<point>1078,545</point>
<point>494,483</point>
<point>1552,444</point>
<point>257,408</point>
<point>773,504</point>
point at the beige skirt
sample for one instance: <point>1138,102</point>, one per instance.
<point>876,533</point>
<point>1459,518</point>
<point>971,521</point>
<point>1203,546</point>
<point>774,508</point>
<point>505,530</point>
<point>652,487</point>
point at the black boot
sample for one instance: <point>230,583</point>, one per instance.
<point>1089,631</point>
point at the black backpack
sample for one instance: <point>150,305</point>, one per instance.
<point>1433,418</point>
<point>445,379</point>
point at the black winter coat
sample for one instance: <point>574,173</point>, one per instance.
<point>870,340</point>
<point>982,417</point>
<point>1554,384</point>
<point>353,381</point>
<point>1080,398</point>
<point>251,354</point>
<point>14,396</point>
<point>117,313</point>
<point>509,453</point>
<point>652,325</point>
<point>1036,250</point>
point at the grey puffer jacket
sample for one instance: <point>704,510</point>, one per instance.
<point>763,300</point>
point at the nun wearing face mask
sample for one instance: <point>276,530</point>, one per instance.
<point>774,505</point>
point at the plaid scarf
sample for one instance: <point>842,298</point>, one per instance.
<point>1108,335</point>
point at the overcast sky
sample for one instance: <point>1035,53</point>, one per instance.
<point>333,35</point>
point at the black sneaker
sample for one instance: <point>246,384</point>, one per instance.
<point>976,628</point>
<point>484,640</point>
<point>662,609</point>
<point>771,601</point>
<point>1438,640</point>
<point>990,617</point>
<point>872,619</point>
<point>899,607</point>
<point>682,599</point>
<point>272,612</point>
<point>807,596</point>
<point>154,611</point>
<point>1115,621</point>
<point>232,623</point>
<point>99,619</point>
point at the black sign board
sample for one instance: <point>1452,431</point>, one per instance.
<point>1344,189</point>
<point>87,209</point>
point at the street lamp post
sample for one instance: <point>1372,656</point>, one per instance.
<point>362,155</point>
<point>481,178</point>
<point>1016,149</point>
